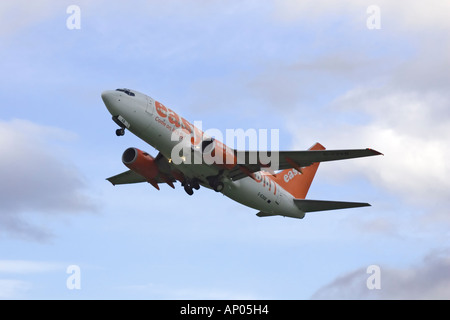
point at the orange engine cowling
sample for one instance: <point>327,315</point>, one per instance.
<point>143,163</point>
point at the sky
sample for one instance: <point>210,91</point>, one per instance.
<point>348,74</point>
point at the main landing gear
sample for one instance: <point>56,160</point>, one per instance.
<point>189,185</point>
<point>215,183</point>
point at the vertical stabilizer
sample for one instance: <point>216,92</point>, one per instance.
<point>298,183</point>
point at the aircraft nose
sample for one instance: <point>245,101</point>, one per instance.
<point>108,99</point>
<point>106,96</point>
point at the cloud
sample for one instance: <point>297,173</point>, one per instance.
<point>27,266</point>
<point>159,291</point>
<point>37,178</point>
<point>13,289</point>
<point>410,130</point>
<point>414,15</point>
<point>17,289</point>
<point>429,279</point>
<point>18,15</point>
<point>394,98</point>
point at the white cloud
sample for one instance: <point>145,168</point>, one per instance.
<point>411,16</point>
<point>13,289</point>
<point>17,15</point>
<point>37,177</point>
<point>399,108</point>
<point>27,266</point>
<point>411,131</point>
<point>158,291</point>
<point>291,10</point>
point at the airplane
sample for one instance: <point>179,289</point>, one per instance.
<point>241,178</point>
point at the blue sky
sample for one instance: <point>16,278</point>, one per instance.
<point>311,69</point>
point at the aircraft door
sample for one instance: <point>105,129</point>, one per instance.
<point>150,106</point>
<point>279,197</point>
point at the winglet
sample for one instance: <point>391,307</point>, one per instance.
<point>375,152</point>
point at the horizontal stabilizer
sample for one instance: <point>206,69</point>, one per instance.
<point>307,205</point>
<point>265,214</point>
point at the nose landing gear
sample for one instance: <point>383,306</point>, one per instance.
<point>120,132</point>
<point>120,122</point>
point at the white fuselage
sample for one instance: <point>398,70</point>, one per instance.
<point>139,115</point>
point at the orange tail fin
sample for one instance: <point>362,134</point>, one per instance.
<point>298,183</point>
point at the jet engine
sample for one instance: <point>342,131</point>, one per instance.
<point>141,162</point>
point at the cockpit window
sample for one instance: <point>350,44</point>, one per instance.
<point>127,91</point>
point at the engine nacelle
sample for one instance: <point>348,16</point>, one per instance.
<point>141,162</point>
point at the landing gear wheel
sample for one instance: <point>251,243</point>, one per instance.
<point>218,187</point>
<point>188,189</point>
<point>195,184</point>
<point>215,184</point>
<point>120,132</point>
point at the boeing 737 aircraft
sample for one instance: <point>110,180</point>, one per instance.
<point>240,175</point>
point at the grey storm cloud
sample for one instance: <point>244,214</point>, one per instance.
<point>36,179</point>
<point>429,279</point>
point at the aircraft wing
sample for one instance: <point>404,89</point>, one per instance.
<point>165,175</point>
<point>129,177</point>
<point>252,161</point>
<point>126,178</point>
